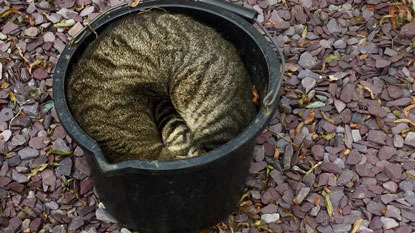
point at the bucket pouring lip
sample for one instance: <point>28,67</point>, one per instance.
<point>146,166</point>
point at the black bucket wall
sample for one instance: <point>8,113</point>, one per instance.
<point>188,195</point>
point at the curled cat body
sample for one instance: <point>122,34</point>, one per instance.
<point>160,86</point>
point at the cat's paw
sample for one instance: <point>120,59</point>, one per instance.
<point>193,151</point>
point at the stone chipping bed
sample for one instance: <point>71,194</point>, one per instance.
<point>339,156</point>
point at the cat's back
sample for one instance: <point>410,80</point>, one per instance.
<point>145,57</point>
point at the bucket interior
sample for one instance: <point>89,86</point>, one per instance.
<point>248,50</point>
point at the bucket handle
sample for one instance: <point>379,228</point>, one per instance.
<point>272,96</point>
<point>248,14</point>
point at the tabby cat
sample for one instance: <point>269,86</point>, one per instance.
<point>160,86</point>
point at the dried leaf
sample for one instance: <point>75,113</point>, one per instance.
<point>312,168</point>
<point>408,15</point>
<point>328,136</point>
<point>304,33</point>
<point>407,109</point>
<point>317,104</point>
<point>31,20</point>
<point>19,50</point>
<point>346,152</point>
<point>276,153</point>
<point>329,205</point>
<point>356,225</point>
<point>313,127</point>
<point>8,12</point>
<point>12,97</point>
<point>300,102</point>
<point>64,24</point>
<point>37,170</point>
<point>61,152</point>
<point>310,118</point>
<point>372,95</point>
<point>363,56</point>
<point>318,200</point>
<point>255,100</point>
<point>409,175</point>
<point>330,59</point>
<point>283,122</point>
<point>357,20</point>
<point>35,63</point>
<point>396,112</point>
<point>134,3</point>
<point>381,125</point>
<point>325,117</point>
<point>4,85</point>
<point>405,121</point>
<point>271,22</point>
<point>244,196</point>
<point>269,169</point>
<point>371,8</point>
<point>298,128</point>
<point>385,17</point>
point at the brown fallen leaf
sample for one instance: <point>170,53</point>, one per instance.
<point>19,50</point>
<point>310,118</point>
<point>357,20</point>
<point>295,201</point>
<point>312,168</point>
<point>30,19</point>
<point>407,109</point>
<point>8,12</point>
<point>276,153</point>
<point>318,200</point>
<point>405,121</point>
<point>298,128</point>
<point>4,85</point>
<point>12,97</point>
<point>134,3</point>
<point>327,118</point>
<point>356,225</point>
<point>372,95</point>
<point>313,127</point>
<point>346,152</point>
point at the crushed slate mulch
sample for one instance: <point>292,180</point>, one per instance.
<point>339,155</point>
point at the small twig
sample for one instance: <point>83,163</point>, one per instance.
<point>381,126</point>
<point>18,113</point>
<point>285,139</point>
<point>21,55</point>
<point>312,168</point>
<point>298,169</point>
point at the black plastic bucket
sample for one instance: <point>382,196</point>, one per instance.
<point>186,195</point>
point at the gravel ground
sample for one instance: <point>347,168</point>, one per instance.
<point>337,157</point>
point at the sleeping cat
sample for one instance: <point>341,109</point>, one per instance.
<point>160,86</point>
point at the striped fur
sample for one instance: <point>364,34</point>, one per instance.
<point>160,86</point>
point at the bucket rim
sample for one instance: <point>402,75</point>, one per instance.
<point>141,165</point>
